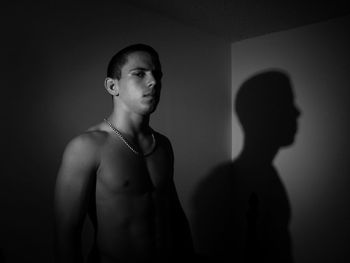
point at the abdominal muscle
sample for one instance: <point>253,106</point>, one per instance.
<point>129,207</point>
<point>126,228</point>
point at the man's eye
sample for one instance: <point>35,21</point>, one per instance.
<point>139,74</point>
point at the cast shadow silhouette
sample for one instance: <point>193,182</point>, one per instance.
<point>242,211</point>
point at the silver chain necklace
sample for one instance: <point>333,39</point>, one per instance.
<point>128,144</point>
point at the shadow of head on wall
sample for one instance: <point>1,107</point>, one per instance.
<point>241,208</point>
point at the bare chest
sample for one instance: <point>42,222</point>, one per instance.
<point>123,172</point>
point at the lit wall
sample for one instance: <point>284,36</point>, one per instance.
<point>55,58</point>
<point>315,169</point>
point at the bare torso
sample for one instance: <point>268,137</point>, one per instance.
<point>129,208</point>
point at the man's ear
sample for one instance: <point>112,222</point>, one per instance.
<point>111,85</point>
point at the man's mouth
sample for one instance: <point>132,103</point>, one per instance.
<point>151,94</point>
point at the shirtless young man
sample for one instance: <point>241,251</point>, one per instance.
<point>120,174</point>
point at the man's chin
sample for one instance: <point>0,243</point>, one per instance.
<point>148,110</point>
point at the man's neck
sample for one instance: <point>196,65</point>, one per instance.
<point>131,124</point>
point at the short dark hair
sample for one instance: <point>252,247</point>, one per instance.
<point>121,57</point>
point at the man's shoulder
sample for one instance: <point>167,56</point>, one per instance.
<point>161,136</point>
<point>163,141</point>
<point>87,143</point>
<point>89,139</point>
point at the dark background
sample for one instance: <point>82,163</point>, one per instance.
<point>53,61</point>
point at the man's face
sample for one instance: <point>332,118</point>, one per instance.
<point>140,83</point>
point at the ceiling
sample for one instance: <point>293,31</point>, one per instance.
<point>240,19</point>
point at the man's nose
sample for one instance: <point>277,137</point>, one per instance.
<point>151,81</point>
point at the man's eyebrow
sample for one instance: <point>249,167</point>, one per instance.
<point>139,68</point>
<point>158,71</point>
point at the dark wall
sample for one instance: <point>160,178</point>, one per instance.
<point>54,56</point>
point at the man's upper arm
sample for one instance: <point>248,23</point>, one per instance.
<point>75,181</point>
<point>181,228</point>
